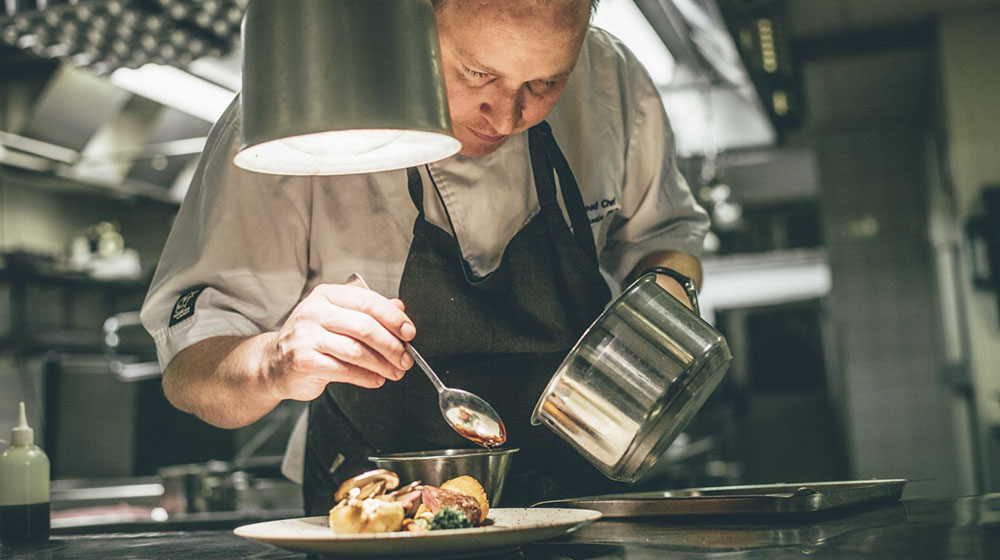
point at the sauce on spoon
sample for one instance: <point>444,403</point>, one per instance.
<point>476,427</point>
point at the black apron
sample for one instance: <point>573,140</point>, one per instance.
<point>501,337</point>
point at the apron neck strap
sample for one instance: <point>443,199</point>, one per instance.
<point>416,188</point>
<point>546,157</point>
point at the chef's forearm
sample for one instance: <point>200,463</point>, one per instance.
<point>223,380</point>
<point>684,263</point>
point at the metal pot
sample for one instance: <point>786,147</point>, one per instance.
<point>198,487</point>
<point>634,380</point>
<point>488,466</point>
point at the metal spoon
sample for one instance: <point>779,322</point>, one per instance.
<point>468,414</point>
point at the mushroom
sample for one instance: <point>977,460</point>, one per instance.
<point>395,494</point>
<point>368,484</point>
<point>363,507</point>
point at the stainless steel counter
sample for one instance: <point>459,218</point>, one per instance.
<point>966,528</point>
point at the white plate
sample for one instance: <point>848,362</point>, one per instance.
<point>506,528</point>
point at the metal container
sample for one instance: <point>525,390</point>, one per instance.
<point>634,380</point>
<point>488,466</point>
<point>198,487</point>
<point>802,498</point>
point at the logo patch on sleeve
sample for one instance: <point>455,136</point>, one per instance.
<point>184,307</point>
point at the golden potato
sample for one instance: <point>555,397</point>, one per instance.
<point>470,487</point>
<point>370,515</point>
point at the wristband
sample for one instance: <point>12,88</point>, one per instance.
<point>685,281</point>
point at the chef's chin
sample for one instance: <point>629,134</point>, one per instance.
<point>478,149</point>
<point>473,146</point>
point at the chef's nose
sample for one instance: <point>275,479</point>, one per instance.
<point>504,111</point>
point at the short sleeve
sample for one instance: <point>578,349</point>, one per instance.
<point>235,262</point>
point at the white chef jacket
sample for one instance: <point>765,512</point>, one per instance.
<point>256,244</point>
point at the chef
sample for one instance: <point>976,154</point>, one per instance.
<point>492,262</point>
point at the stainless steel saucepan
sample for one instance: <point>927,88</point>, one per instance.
<point>634,380</point>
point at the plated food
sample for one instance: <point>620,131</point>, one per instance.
<point>373,502</point>
<point>505,530</point>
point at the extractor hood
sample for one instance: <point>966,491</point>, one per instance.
<point>74,109</point>
<point>706,89</point>
<point>80,105</point>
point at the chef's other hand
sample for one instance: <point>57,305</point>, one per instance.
<point>340,334</point>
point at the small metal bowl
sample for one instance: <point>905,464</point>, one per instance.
<point>488,466</point>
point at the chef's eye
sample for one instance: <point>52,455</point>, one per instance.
<point>475,74</point>
<point>541,87</point>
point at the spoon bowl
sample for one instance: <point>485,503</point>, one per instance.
<point>468,414</point>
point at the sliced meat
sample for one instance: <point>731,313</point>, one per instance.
<point>410,502</point>
<point>435,498</point>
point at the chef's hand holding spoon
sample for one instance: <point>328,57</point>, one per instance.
<point>351,334</point>
<point>337,334</point>
<point>340,333</point>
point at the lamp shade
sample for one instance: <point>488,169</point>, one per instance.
<point>342,86</point>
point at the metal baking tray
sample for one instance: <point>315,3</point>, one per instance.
<point>768,499</point>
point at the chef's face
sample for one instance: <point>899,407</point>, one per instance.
<point>505,64</point>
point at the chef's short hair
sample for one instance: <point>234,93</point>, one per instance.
<point>438,3</point>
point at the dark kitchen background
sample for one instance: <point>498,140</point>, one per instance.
<point>848,150</point>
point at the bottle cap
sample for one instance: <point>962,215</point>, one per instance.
<point>22,434</point>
